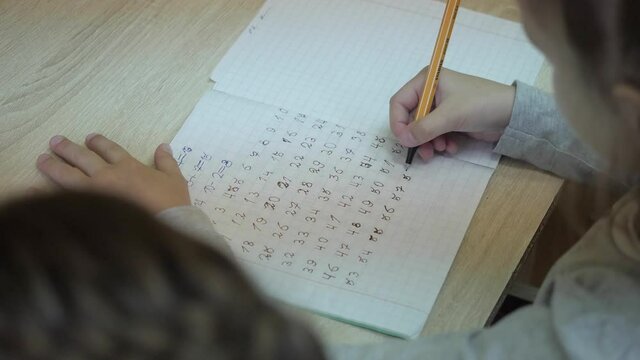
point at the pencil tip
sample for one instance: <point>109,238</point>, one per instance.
<point>410,154</point>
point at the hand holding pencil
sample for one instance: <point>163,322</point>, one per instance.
<point>427,99</point>
<point>460,103</point>
<point>465,104</point>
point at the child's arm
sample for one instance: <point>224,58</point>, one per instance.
<point>193,221</point>
<point>539,134</point>
<point>524,120</point>
<point>106,167</point>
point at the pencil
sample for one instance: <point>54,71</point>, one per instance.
<point>427,99</point>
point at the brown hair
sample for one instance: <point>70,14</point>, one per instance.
<point>607,38</point>
<point>88,276</point>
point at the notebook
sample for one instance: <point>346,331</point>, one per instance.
<point>290,155</point>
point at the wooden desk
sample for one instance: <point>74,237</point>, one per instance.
<point>133,70</point>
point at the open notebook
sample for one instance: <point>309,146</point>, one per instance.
<point>290,155</point>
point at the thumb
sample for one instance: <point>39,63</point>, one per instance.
<point>438,122</point>
<point>164,160</point>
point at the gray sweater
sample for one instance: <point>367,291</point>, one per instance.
<point>589,304</point>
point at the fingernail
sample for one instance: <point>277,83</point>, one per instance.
<point>167,148</point>
<point>56,140</point>
<point>42,158</point>
<point>90,136</point>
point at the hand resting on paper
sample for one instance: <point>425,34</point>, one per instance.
<point>105,166</point>
<point>466,104</point>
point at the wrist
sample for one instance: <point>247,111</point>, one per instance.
<point>502,100</point>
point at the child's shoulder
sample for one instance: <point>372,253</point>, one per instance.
<point>593,291</point>
<point>601,273</point>
<point>612,243</point>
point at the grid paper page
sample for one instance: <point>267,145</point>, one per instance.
<point>467,18</point>
<point>343,60</point>
<point>327,217</point>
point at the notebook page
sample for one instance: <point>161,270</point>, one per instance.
<point>327,217</point>
<point>343,60</point>
<point>471,19</point>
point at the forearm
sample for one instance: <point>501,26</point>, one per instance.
<point>192,221</point>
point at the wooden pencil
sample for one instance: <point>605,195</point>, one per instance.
<point>427,99</point>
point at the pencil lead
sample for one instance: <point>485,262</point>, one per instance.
<point>410,155</point>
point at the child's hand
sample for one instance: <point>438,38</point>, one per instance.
<point>106,167</point>
<point>478,107</point>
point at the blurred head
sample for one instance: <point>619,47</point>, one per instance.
<point>87,276</point>
<point>594,46</point>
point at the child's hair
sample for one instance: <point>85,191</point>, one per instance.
<point>87,276</point>
<point>607,36</point>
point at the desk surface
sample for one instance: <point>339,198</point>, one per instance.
<point>133,70</point>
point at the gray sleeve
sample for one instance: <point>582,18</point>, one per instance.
<point>527,334</point>
<point>194,222</point>
<point>538,134</point>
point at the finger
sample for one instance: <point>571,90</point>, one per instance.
<point>110,151</point>
<point>61,173</point>
<point>440,143</point>
<point>452,146</point>
<point>426,151</point>
<point>76,155</point>
<point>165,161</point>
<point>403,103</point>
<point>437,123</point>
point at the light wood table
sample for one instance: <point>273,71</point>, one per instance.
<point>133,70</point>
